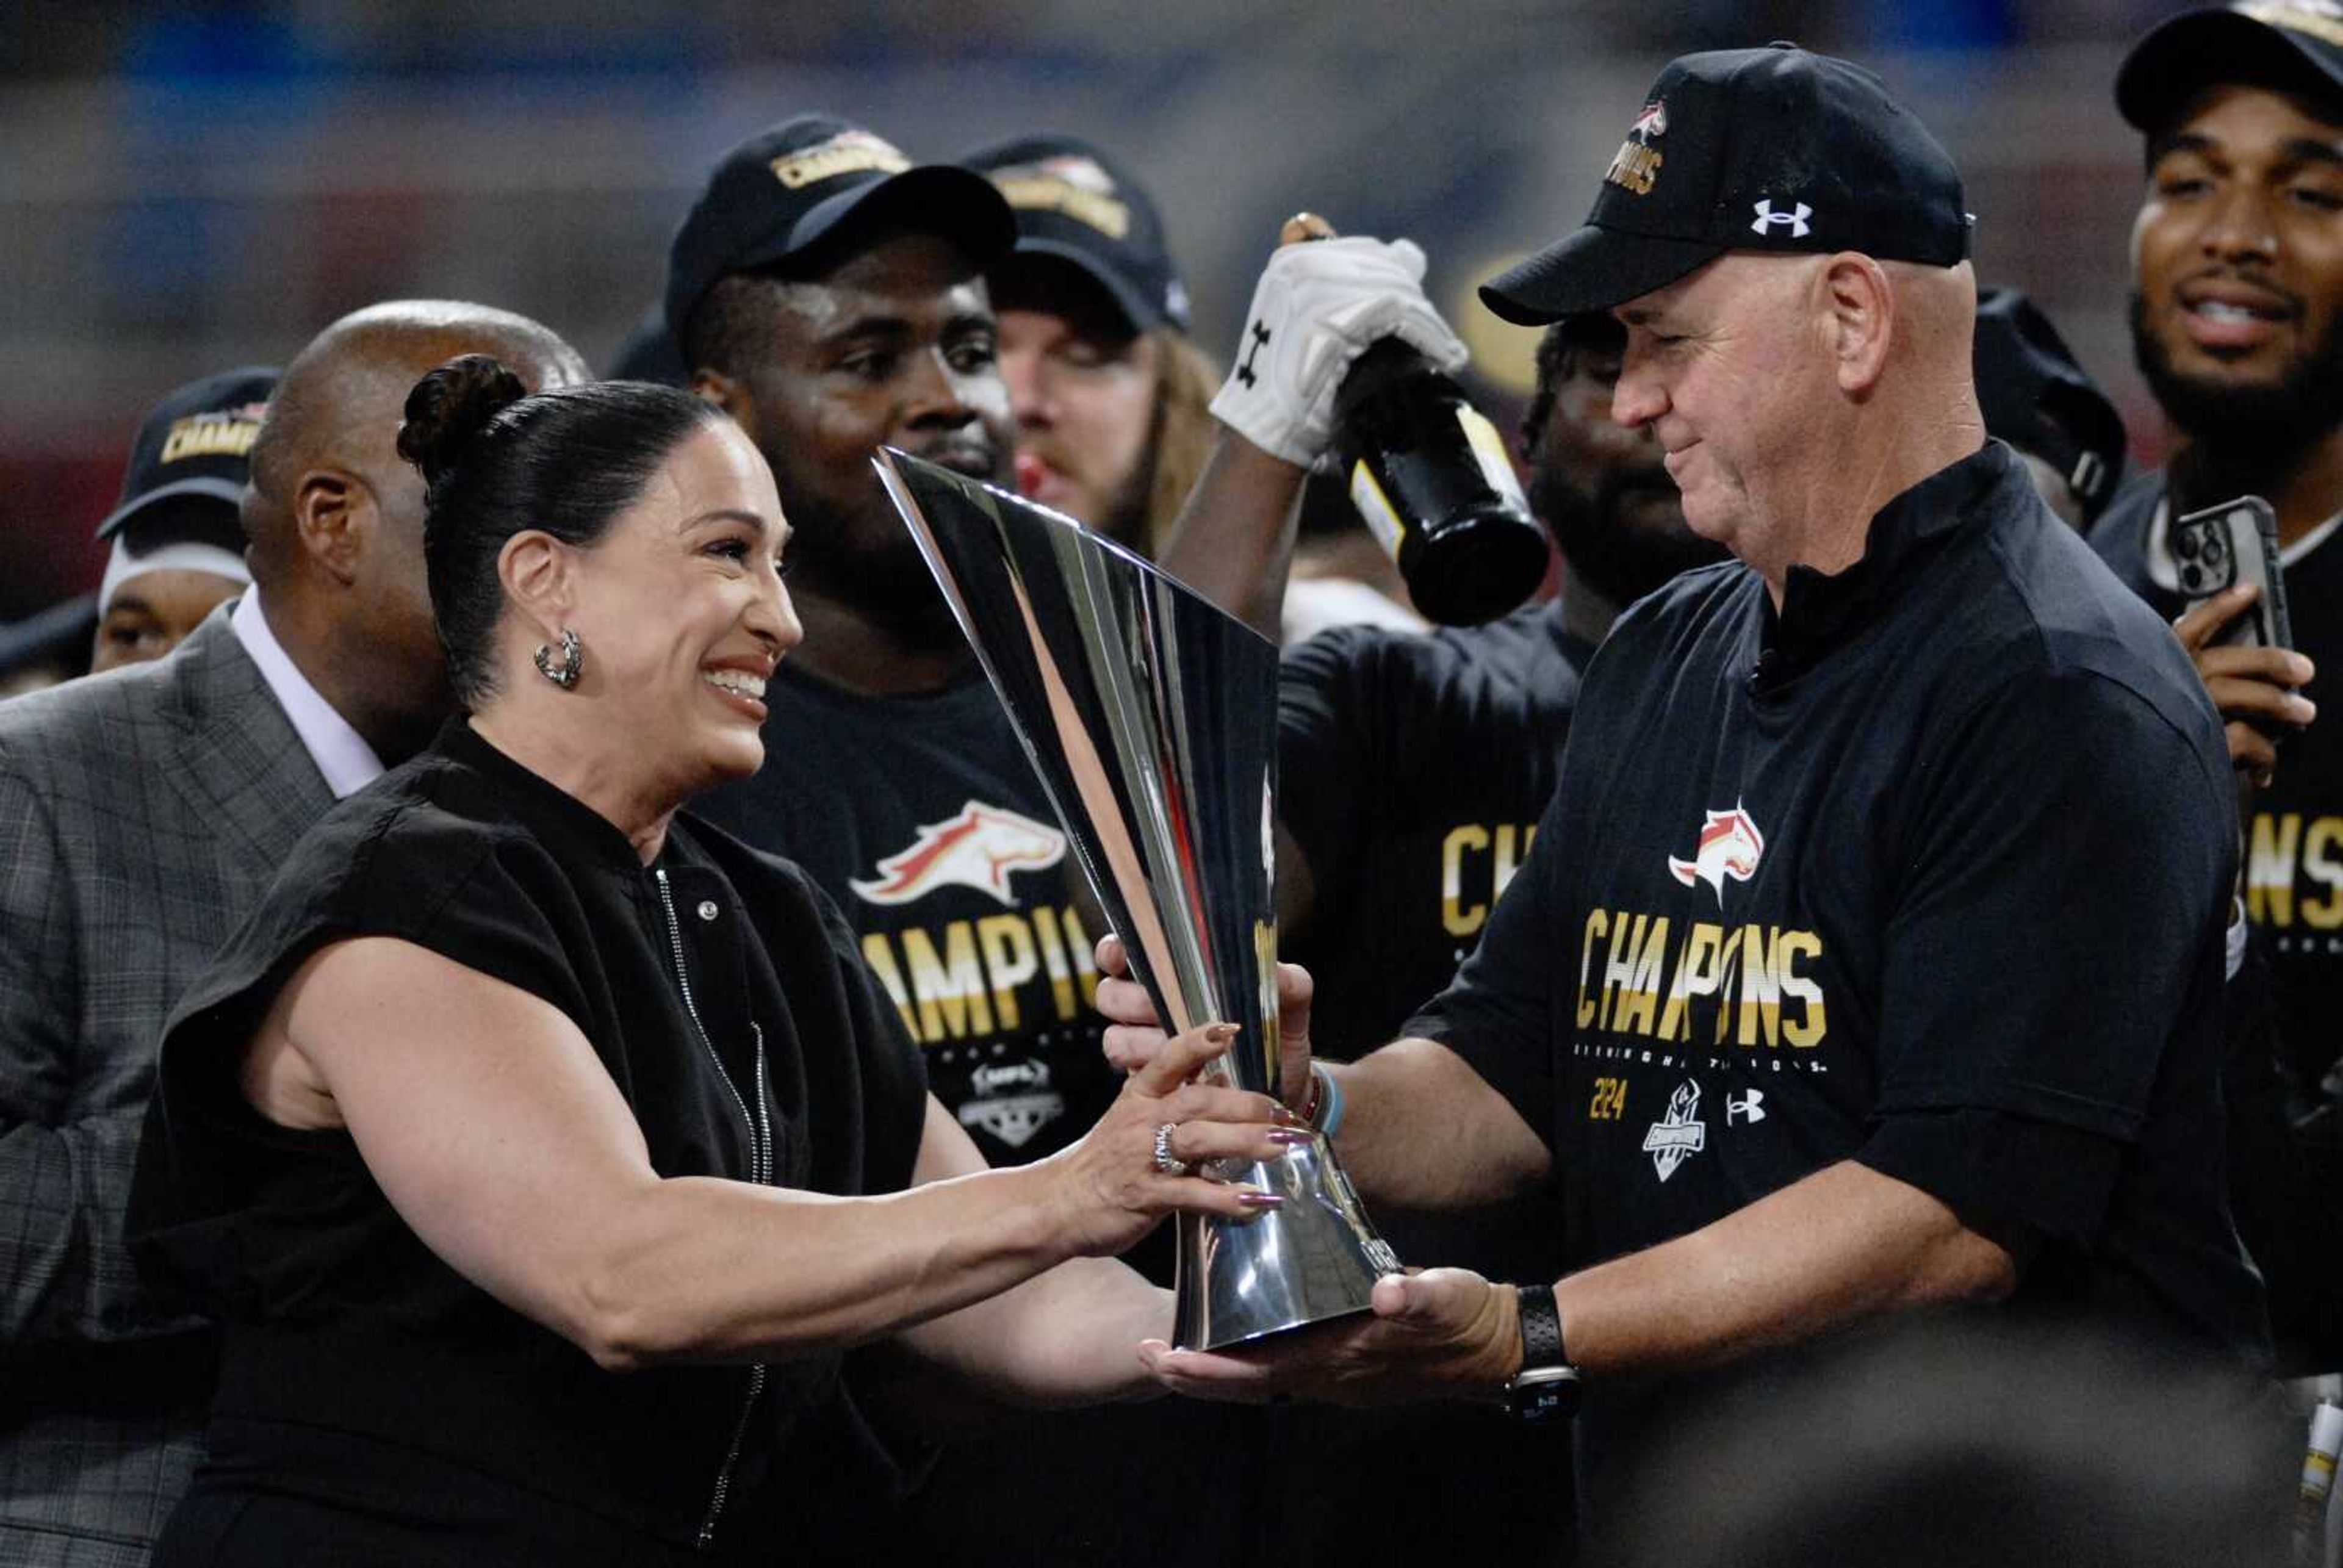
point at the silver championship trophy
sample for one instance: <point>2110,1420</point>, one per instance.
<point>1152,718</point>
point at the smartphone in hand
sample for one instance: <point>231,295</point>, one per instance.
<point>2220,548</point>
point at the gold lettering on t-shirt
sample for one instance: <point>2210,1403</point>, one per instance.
<point>1459,918</point>
<point>1652,974</point>
<point>1806,1030</point>
<point>1598,922</point>
<point>968,978</point>
<point>2269,869</point>
<point>2319,865</point>
<point>880,957</point>
<point>1619,965</point>
<point>1761,985</point>
<point>1007,943</point>
<point>1476,864</point>
<point>1696,976</point>
<point>950,993</point>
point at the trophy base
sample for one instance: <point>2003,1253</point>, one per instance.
<point>1313,1258</point>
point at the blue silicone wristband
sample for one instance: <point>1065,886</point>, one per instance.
<point>1330,1100</point>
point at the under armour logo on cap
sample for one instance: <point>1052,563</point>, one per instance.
<point>1794,221</point>
<point>1744,134</point>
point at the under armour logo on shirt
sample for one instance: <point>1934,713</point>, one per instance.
<point>1794,221</point>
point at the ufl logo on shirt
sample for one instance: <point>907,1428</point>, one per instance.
<point>1012,1101</point>
<point>1729,846</point>
<point>1636,164</point>
<point>977,848</point>
<point>1679,1134</point>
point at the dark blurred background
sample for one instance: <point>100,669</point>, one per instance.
<point>185,187</point>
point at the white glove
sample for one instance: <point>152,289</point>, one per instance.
<point>1318,306</point>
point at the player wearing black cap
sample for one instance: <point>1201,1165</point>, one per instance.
<point>177,547</point>
<point>1108,391</point>
<point>1785,999</point>
<point>831,296</point>
<point>2237,324</point>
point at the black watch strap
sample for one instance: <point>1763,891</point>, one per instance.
<point>1546,1388</point>
<point>1541,1329</point>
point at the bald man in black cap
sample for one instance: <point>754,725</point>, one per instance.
<point>140,814</point>
<point>1787,1001</point>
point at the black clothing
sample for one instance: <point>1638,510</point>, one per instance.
<point>1928,872</point>
<point>2294,855</point>
<point>729,1003</point>
<point>2284,1080</point>
<point>922,816</point>
<point>1412,770</point>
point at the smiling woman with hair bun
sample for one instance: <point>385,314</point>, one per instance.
<point>542,1148</point>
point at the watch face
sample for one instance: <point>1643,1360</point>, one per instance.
<point>1548,1393</point>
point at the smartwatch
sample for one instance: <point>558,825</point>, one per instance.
<point>1546,1388</point>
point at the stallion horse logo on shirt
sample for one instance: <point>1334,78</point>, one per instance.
<point>977,848</point>
<point>1729,846</point>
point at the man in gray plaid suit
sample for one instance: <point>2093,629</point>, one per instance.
<point>140,814</point>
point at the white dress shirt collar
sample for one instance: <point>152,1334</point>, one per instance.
<point>340,752</point>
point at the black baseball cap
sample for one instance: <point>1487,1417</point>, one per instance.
<point>1771,149</point>
<point>2295,47</point>
<point>778,196</point>
<point>2037,397</point>
<point>198,441</point>
<point>1077,204</point>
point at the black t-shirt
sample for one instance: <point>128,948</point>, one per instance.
<point>2293,847</point>
<point>1931,872</point>
<point>770,1056</point>
<point>2283,1102</point>
<point>922,818</point>
<point>1411,772</point>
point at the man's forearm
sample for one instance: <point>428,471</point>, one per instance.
<point>1421,1130</point>
<point>1233,541</point>
<point>1844,1244</point>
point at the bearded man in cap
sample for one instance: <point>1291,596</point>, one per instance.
<point>1107,388</point>
<point>2238,325</point>
<point>1785,1000</point>
<point>142,814</point>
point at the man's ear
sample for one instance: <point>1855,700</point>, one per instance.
<point>1861,311</point>
<point>537,574</point>
<point>333,512</point>
<point>734,398</point>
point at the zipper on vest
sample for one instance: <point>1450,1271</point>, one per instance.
<point>761,1171</point>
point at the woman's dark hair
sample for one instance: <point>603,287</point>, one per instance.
<point>497,461</point>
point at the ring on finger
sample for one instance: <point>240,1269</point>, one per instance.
<point>1166,1163</point>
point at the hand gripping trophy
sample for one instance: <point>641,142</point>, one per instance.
<point>1151,719</point>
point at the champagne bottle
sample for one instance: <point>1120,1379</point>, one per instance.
<point>1431,477</point>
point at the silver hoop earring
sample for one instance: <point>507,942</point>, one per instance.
<point>565,673</point>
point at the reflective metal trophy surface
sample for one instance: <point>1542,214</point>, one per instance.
<point>1152,718</point>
